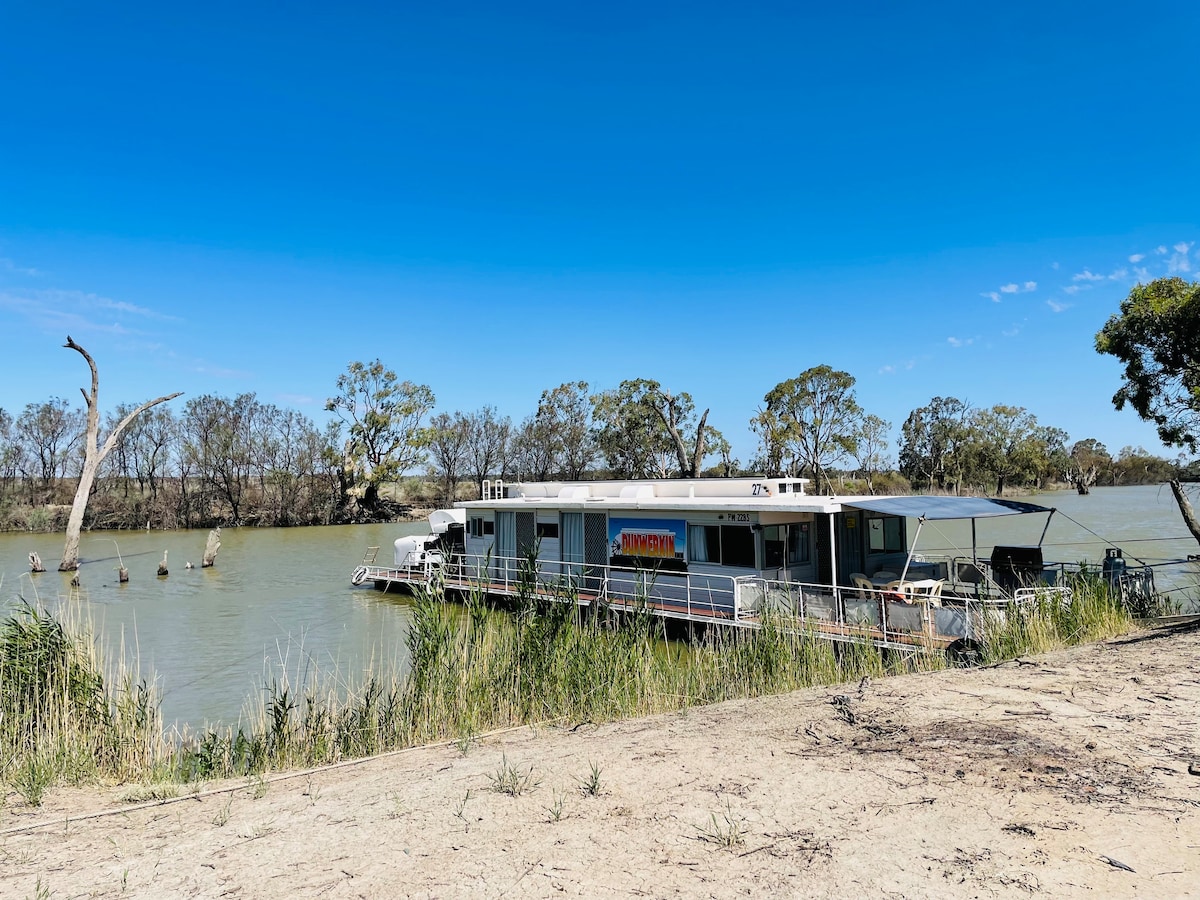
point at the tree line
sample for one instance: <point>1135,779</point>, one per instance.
<point>238,460</point>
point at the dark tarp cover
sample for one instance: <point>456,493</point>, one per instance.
<point>945,507</point>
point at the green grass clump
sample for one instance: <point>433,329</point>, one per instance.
<point>61,719</point>
<point>1050,621</point>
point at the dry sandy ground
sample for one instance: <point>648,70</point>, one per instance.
<point>1066,776</point>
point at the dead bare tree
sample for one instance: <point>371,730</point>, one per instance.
<point>93,455</point>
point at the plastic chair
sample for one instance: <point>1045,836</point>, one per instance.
<point>863,583</point>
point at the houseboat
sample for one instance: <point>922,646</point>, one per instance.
<point>728,551</point>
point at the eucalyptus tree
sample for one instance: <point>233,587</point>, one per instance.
<point>557,440</point>
<point>870,450</point>
<point>717,444</point>
<point>1004,441</point>
<point>1157,338</point>
<point>489,437</point>
<point>931,442</point>
<point>8,452</point>
<point>289,451</point>
<point>447,443</point>
<point>641,425</point>
<point>94,455</point>
<point>1051,462</point>
<point>532,456</point>
<point>1088,459</point>
<point>153,437</point>
<point>45,435</point>
<point>220,437</point>
<point>809,422</point>
<point>383,418</point>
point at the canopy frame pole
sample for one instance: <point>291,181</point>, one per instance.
<point>1047,528</point>
<point>912,546</point>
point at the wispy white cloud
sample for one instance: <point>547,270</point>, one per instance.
<point>1011,288</point>
<point>1141,273</point>
<point>1057,307</point>
<point>7,265</point>
<point>1137,257</point>
<point>1179,261</point>
<point>1087,275</point>
<point>1076,288</point>
<point>1160,250</point>
<point>1054,266</point>
<point>1118,274</point>
<point>960,342</point>
<point>203,368</point>
<point>1011,332</point>
<point>77,312</point>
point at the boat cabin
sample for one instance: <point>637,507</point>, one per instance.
<point>727,550</point>
<point>732,527</point>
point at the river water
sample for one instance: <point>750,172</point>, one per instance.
<point>279,600</point>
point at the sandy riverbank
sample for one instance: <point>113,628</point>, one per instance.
<point>1051,776</point>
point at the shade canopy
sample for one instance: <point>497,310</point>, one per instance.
<point>928,507</point>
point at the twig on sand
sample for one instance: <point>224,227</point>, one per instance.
<point>1117,864</point>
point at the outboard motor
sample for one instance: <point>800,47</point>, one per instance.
<point>415,550</point>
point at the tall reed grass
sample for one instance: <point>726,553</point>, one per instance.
<point>474,668</point>
<point>61,718</point>
<point>1047,622</point>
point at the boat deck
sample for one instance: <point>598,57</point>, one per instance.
<point>838,614</point>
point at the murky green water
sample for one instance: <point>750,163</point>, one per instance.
<point>281,599</point>
<point>1143,521</point>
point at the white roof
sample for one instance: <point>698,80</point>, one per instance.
<point>742,494</point>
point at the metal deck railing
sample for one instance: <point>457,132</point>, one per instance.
<point>836,612</point>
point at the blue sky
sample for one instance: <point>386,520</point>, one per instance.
<point>942,200</point>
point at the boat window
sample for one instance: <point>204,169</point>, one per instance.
<point>724,545</point>
<point>774,539</point>
<point>798,552</point>
<point>547,530</point>
<point>478,527</point>
<point>737,546</point>
<point>885,535</point>
<point>704,543</point>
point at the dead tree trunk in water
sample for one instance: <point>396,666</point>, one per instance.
<point>93,455</point>
<point>211,548</point>
<point>1185,507</point>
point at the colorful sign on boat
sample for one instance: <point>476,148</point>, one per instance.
<point>648,543</point>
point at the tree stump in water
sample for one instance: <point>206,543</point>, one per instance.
<point>35,563</point>
<point>211,548</point>
<point>162,566</point>
<point>122,575</point>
